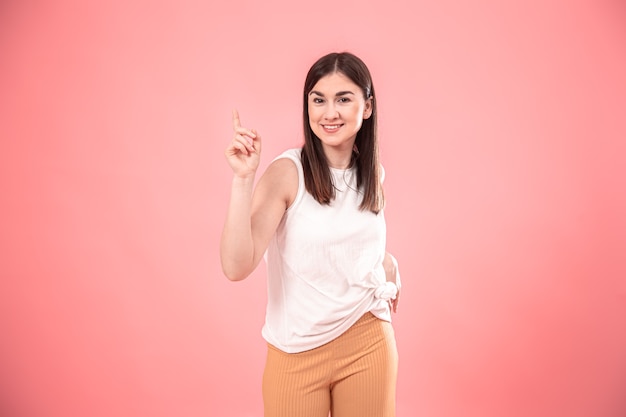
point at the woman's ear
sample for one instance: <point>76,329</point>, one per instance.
<point>368,108</point>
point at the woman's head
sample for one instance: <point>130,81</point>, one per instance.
<point>358,120</point>
<point>355,72</point>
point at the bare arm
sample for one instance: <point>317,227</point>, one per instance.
<point>253,214</point>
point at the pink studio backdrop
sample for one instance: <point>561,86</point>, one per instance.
<point>503,135</point>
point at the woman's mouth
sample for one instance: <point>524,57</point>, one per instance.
<point>331,128</point>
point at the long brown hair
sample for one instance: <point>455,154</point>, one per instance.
<point>317,177</point>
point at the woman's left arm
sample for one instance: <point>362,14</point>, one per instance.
<point>392,274</point>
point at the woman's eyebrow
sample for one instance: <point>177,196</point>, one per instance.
<point>340,93</point>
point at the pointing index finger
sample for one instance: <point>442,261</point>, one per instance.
<point>236,121</point>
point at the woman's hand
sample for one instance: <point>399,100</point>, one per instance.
<point>392,274</point>
<point>244,152</point>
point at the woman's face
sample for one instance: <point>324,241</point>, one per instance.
<point>336,111</point>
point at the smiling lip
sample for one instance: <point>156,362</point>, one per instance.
<point>331,128</point>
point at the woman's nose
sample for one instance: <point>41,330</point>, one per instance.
<point>331,112</point>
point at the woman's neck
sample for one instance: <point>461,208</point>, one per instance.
<point>339,158</point>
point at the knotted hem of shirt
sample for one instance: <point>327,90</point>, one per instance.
<point>386,291</point>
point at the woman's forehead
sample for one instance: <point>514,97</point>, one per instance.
<point>334,83</point>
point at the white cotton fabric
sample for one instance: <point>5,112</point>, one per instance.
<point>324,266</point>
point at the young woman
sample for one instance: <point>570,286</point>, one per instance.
<point>317,215</point>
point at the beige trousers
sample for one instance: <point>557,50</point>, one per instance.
<point>351,376</point>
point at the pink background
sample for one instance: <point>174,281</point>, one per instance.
<point>503,129</point>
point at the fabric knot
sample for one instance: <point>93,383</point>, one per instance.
<point>386,291</point>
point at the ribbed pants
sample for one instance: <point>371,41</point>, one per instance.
<point>351,376</point>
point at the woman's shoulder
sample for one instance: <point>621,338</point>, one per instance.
<point>288,163</point>
<point>281,178</point>
<point>285,166</point>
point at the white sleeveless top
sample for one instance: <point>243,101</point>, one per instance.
<point>324,266</point>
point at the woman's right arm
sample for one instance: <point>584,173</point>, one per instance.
<point>253,214</point>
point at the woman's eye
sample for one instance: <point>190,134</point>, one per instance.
<point>344,100</point>
<point>318,100</point>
